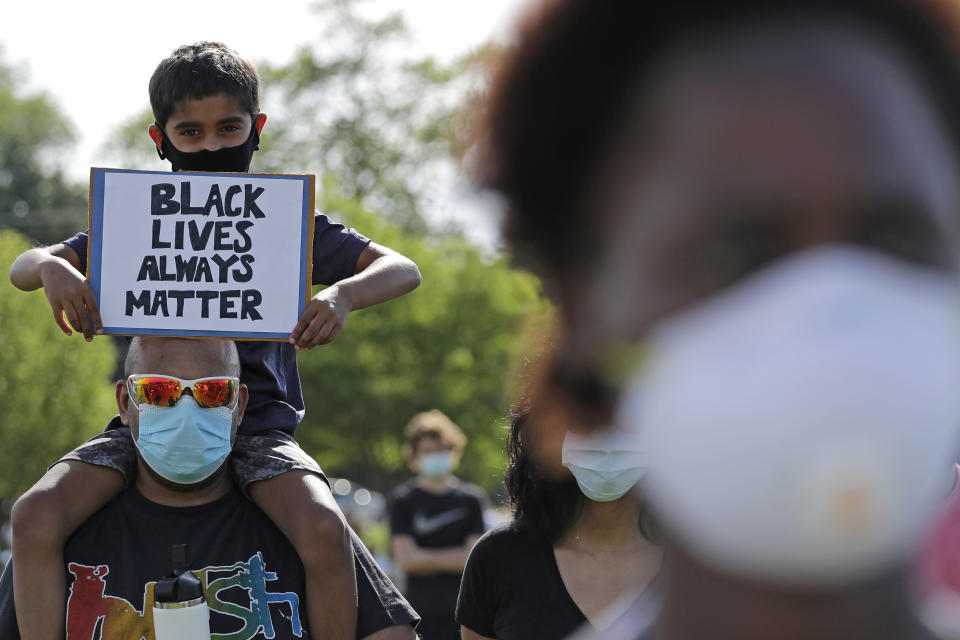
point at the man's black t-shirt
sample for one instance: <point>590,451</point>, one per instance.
<point>253,579</point>
<point>436,521</point>
<point>512,590</point>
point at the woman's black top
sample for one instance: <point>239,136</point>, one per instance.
<point>512,590</point>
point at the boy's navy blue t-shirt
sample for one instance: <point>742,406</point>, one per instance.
<point>269,369</point>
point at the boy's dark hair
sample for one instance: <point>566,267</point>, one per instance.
<point>201,70</point>
<point>560,96</point>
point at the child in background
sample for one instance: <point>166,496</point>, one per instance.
<point>435,519</point>
<point>205,99</point>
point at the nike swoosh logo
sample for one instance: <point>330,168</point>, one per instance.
<point>422,525</point>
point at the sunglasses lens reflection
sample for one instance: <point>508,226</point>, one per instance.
<point>161,392</point>
<point>214,393</point>
<point>165,392</point>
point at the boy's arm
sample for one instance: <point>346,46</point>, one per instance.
<point>55,268</point>
<point>381,274</point>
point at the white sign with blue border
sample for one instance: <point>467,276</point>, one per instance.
<point>219,255</point>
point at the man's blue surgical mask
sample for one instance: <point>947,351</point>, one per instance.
<point>184,443</point>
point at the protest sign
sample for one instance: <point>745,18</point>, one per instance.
<point>224,255</point>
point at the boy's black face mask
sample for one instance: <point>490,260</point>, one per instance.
<point>230,159</point>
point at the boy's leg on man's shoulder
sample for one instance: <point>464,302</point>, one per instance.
<point>44,517</point>
<point>290,488</point>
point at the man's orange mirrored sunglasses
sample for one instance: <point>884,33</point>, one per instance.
<point>164,391</point>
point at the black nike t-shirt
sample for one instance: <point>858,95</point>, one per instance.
<point>253,579</point>
<point>436,521</point>
<point>512,590</point>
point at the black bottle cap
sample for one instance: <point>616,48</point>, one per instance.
<point>181,585</point>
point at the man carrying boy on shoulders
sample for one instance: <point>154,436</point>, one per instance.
<point>205,99</point>
<point>229,543</point>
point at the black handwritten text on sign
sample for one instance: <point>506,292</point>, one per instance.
<point>217,252</point>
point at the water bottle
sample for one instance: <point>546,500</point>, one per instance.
<point>179,609</point>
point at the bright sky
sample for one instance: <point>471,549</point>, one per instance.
<point>96,57</point>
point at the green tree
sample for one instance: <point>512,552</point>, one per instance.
<point>453,344</point>
<point>356,105</point>
<point>131,148</point>
<point>56,389</point>
<point>35,197</point>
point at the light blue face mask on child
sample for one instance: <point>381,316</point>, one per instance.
<point>437,464</point>
<point>184,443</point>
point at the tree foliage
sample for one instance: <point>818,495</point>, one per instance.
<point>452,345</point>
<point>377,121</point>
<point>35,197</point>
<point>382,126</point>
<point>131,148</point>
<point>56,389</point>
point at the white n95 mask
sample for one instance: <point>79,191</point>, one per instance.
<point>801,426</point>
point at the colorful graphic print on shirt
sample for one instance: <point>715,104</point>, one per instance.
<point>90,609</point>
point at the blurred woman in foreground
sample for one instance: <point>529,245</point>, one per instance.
<point>577,552</point>
<point>764,194</point>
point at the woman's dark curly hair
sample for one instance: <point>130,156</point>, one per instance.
<point>560,96</point>
<point>543,507</point>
